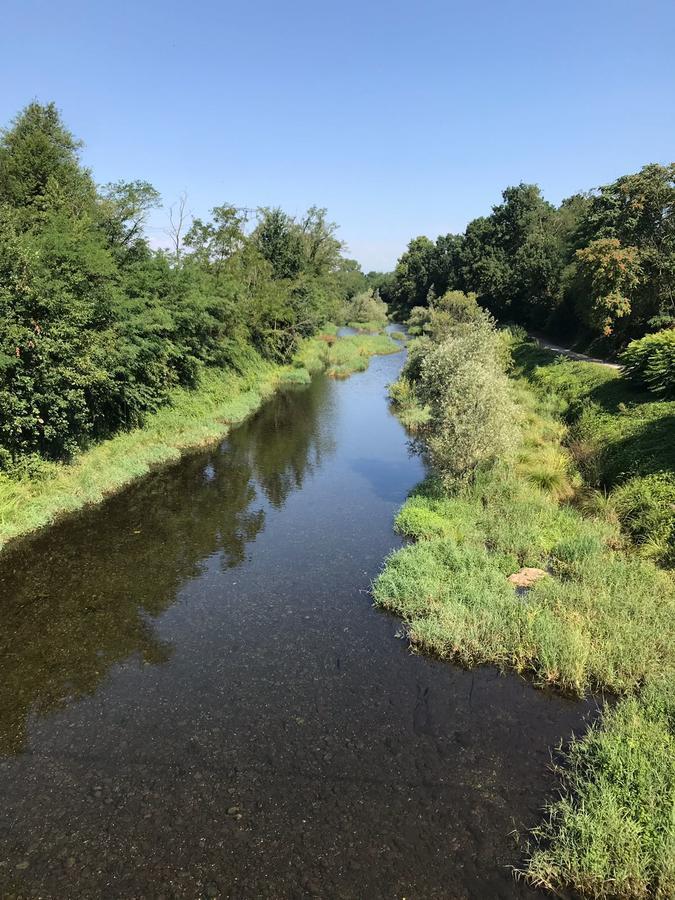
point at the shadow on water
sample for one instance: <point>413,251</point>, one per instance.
<point>198,699</point>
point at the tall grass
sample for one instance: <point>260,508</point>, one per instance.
<point>621,439</point>
<point>602,618</point>
<point>612,832</point>
<point>351,354</point>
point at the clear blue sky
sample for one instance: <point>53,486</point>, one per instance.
<point>401,118</point>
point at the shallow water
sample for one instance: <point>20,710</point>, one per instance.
<point>197,698</point>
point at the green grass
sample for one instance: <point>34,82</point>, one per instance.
<point>374,326</point>
<point>44,491</point>
<point>621,439</point>
<point>612,832</point>
<point>602,618</point>
<point>351,354</point>
<point>411,415</point>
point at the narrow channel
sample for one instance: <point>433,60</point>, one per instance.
<point>198,699</point>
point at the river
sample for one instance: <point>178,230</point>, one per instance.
<point>198,699</point>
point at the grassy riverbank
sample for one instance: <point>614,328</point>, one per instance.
<point>602,617</point>
<point>193,418</point>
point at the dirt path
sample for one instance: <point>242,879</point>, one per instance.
<point>571,354</point>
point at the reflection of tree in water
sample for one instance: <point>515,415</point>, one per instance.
<point>79,598</point>
<point>288,439</point>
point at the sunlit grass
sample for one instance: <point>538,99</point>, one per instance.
<point>602,618</point>
<point>374,326</point>
<point>351,354</point>
<point>612,833</point>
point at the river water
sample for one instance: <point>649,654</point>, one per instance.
<point>197,698</point>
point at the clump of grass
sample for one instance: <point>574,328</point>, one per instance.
<point>351,354</point>
<point>374,326</point>
<point>412,415</point>
<point>612,832</point>
<point>295,376</point>
<point>398,336</point>
<point>646,508</point>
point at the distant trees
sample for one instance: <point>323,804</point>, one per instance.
<point>601,265</point>
<point>96,327</point>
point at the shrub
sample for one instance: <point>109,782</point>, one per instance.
<point>646,509</point>
<point>367,308</point>
<point>472,418</point>
<point>650,362</point>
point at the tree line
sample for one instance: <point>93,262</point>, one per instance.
<point>97,327</point>
<point>598,269</point>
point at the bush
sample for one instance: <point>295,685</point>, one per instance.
<point>646,509</point>
<point>472,418</point>
<point>367,308</point>
<point>650,362</point>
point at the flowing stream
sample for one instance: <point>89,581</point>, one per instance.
<point>198,699</point>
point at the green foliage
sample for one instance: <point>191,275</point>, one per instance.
<point>598,265</point>
<point>97,330</point>
<point>601,618</point>
<point>646,509</point>
<point>366,309</point>
<point>611,273</point>
<point>351,354</point>
<point>612,833</point>
<point>463,384</point>
<point>412,415</point>
<point>650,363</point>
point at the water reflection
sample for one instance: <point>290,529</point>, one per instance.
<point>82,597</point>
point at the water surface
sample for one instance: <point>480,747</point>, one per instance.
<point>197,698</point>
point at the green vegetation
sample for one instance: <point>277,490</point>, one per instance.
<point>351,354</point>
<point>115,357</point>
<point>40,491</point>
<point>47,489</point>
<point>597,620</point>
<point>598,269</point>
<point>612,833</point>
<point>98,331</point>
<point>650,362</point>
<point>373,327</point>
<point>592,467</point>
<point>621,439</point>
<point>366,312</point>
<point>462,385</point>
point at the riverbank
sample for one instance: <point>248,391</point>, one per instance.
<point>192,419</point>
<point>600,615</point>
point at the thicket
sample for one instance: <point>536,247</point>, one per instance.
<point>97,328</point>
<point>599,268</point>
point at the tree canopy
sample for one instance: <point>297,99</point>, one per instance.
<point>96,327</point>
